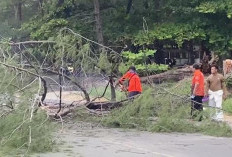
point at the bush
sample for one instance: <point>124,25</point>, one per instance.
<point>229,81</point>
<point>139,60</point>
<point>145,70</point>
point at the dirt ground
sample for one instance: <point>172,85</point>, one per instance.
<point>67,97</point>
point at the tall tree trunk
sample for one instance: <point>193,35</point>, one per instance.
<point>129,5</point>
<point>40,6</point>
<point>20,16</point>
<point>157,4</point>
<point>60,2</point>
<point>18,12</point>
<point>98,22</point>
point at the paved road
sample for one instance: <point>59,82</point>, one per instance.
<point>102,142</point>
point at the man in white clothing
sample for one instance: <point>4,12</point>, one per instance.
<point>216,90</point>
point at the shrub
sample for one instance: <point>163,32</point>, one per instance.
<point>140,61</point>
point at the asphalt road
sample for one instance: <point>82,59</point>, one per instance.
<point>102,142</point>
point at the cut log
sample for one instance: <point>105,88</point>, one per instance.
<point>103,105</point>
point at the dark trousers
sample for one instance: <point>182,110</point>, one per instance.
<point>196,104</point>
<point>132,94</point>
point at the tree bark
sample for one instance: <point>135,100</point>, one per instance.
<point>60,2</point>
<point>18,12</point>
<point>40,6</point>
<point>98,22</point>
<point>157,4</point>
<point>113,93</point>
<point>176,75</point>
<point>20,16</point>
<point>129,5</point>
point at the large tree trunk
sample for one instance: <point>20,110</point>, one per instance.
<point>98,22</point>
<point>176,75</point>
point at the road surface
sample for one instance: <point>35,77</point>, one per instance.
<point>83,140</point>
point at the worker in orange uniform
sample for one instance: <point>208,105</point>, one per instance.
<point>197,89</point>
<point>134,83</point>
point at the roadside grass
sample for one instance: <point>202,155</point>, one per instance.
<point>165,108</point>
<point>227,105</point>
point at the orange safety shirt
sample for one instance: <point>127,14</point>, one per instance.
<point>198,78</point>
<point>134,84</point>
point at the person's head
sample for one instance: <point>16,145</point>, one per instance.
<point>214,69</point>
<point>132,68</point>
<point>196,67</point>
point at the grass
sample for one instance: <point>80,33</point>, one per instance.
<point>227,105</point>
<point>100,90</point>
<point>165,108</point>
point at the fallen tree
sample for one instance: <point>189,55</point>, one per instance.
<point>175,75</point>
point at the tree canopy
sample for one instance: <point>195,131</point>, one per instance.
<point>140,22</point>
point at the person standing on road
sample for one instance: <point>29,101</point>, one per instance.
<point>197,89</point>
<point>216,90</point>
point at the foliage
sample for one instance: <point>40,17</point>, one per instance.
<point>140,57</point>
<point>18,139</point>
<point>139,60</point>
<point>144,69</point>
<point>49,29</point>
<point>170,32</point>
<point>148,22</point>
<point>228,81</point>
<point>103,63</point>
<point>214,7</point>
<point>20,128</point>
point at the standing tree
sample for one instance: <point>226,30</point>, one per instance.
<point>98,22</point>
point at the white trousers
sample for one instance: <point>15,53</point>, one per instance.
<point>215,100</point>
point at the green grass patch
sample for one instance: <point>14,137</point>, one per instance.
<point>227,105</point>
<point>96,92</point>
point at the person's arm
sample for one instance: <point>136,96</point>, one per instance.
<point>122,79</point>
<point>207,86</point>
